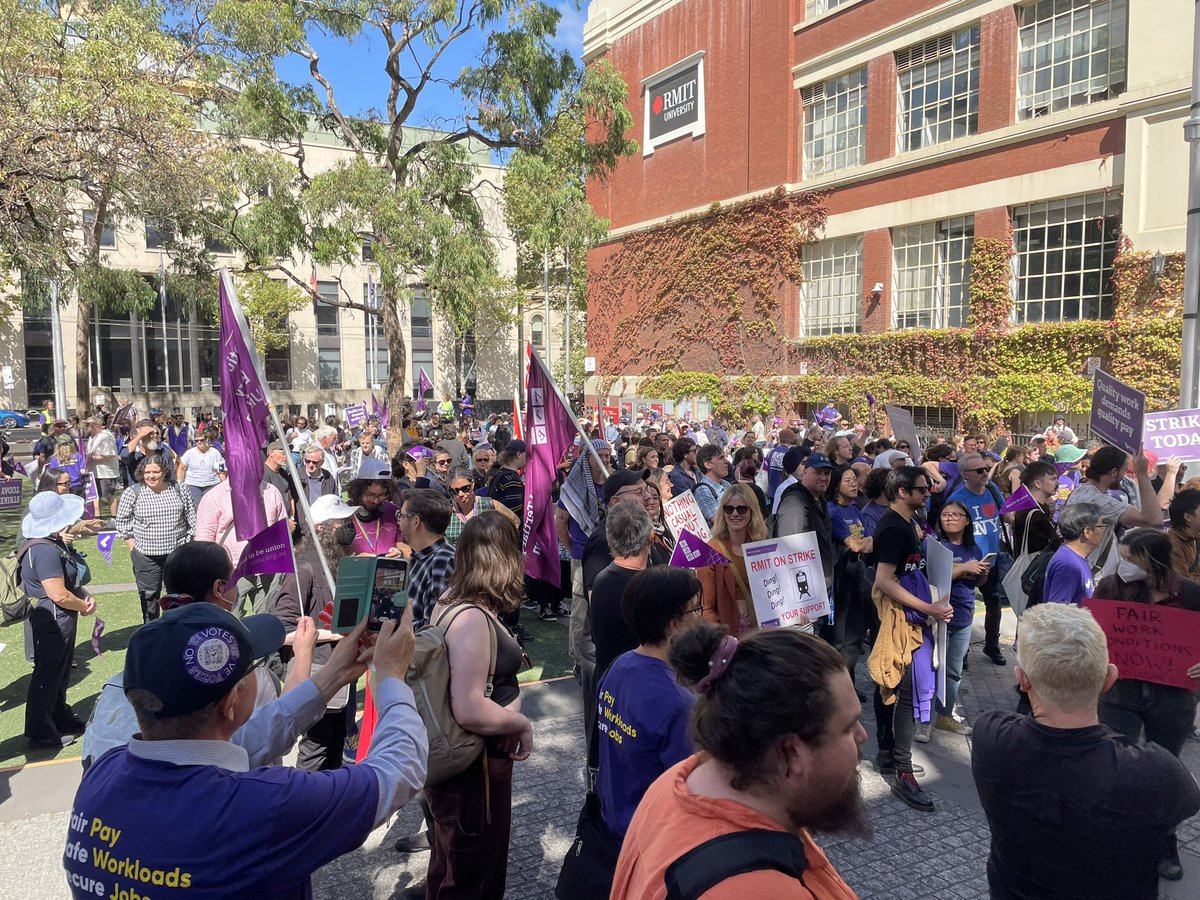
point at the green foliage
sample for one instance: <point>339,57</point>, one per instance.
<point>266,302</point>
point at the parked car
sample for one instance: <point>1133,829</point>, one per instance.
<point>12,419</point>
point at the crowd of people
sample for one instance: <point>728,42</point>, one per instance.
<point>700,727</point>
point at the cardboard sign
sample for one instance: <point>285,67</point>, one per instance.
<point>1117,413</point>
<point>356,415</point>
<point>693,553</point>
<point>1175,433</point>
<point>10,494</point>
<point>1150,643</point>
<point>787,580</point>
<point>904,429</point>
<point>683,514</point>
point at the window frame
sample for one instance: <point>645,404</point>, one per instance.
<point>940,279</point>
<point>821,94</point>
<point>926,61</point>
<point>826,253</point>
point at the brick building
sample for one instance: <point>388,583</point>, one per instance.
<point>931,123</point>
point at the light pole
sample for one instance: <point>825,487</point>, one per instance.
<point>1188,395</point>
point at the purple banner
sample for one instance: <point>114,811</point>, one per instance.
<point>1018,500</point>
<point>104,543</point>
<point>356,415</point>
<point>423,385</point>
<point>549,434</point>
<point>1174,433</point>
<point>267,553</point>
<point>10,493</point>
<point>1117,412</point>
<point>245,405</point>
<point>91,498</point>
<point>692,552</point>
<point>97,630</point>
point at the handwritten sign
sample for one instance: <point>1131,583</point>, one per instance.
<point>1117,412</point>
<point>683,512</point>
<point>10,494</point>
<point>1150,643</point>
<point>1175,433</point>
<point>786,579</point>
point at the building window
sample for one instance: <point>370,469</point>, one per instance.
<point>329,368</point>
<point>835,123</point>
<point>325,310</point>
<point>537,331</point>
<point>217,247</point>
<point>814,8</point>
<point>368,248</point>
<point>1071,52</point>
<point>108,234</point>
<point>422,359</point>
<point>1064,257</point>
<point>422,315</point>
<point>158,233</point>
<point>377,368</point>
<point>830,298</point>
<point>939,90</point>
<point>277,366</point>
<point>931,273</point>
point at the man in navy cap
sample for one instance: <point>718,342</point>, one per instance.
<point>168,815</point>
<point>802,508</point>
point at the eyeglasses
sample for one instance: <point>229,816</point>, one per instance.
<point>953,515</point>
<point>62,484</point>
<point>902,447</point>
<point>694,610</point>
<point>736,510</point>
<point>919,489</point>
<point>257,664</point>
<point>1100,525</point>
<point>375,496</point>
<point>442,463</point>
<point>464,489</point>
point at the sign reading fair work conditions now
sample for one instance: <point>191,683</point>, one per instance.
<point>1174,433</point>
<point>1149,642</point>
<point>786,580</point>
<point>1117,412</point>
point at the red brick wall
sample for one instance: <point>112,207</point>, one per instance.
<point>998,64</point>
<point>877,267</point>
<point>992,223</point>
<point>854,23</point>
<point>881,107</point>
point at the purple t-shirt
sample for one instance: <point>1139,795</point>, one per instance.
<point>1068,578</point>
<point>962,590</point>
<point>846,521</point>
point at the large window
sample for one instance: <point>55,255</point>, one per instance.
<point>813,8</point>
<point>835,123</point>
<point>329,368</point>
<point>326,312</point>
<point>831,296</point>
<point>158,233</point>
<point>377,367</point>
<point>277,366</point>
<point>939,90</point>
<point>537,332</point>
<point>1064,257</point>
<point>931,274</point>
<point>422,315</point>
<point>1071,52</point>
<point>108,234</point>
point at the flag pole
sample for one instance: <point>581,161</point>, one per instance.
<point>240,321</point>
<point>585,438</point>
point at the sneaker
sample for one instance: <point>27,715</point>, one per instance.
<point>547,615</point>
<point>529,604</point>
<point>413,843</point>
<point>906,788</point>
<point>954,724</point>
<point>996,657</point>
<point>923,731</point>
<point>565,612</point>
<point>1169,867</point>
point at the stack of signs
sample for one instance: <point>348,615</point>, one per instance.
<point>787,581</point>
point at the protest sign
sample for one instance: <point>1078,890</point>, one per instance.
<point>939,569</point>
<point>683,513</point>
<point>356,415</point>
<point>10,493</point>
<point>91,498</point>
<point>904,429</point>
<point>692,552</point>
<point>1021,499</point>
<point>1117,412</point>
<point>611,414</point>
<point>1174,433</point>
<point>786,580</point>
<point>104,543</point>
<point>1150,643</point>
<point>267,553</point>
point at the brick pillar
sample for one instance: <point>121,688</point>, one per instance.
<point>881,107</point>
<point>997,69</point>
<point>992,223</point>
<point>877,267</point>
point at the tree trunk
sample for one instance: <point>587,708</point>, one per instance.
<point>397,364</point>
<point>83,358</point>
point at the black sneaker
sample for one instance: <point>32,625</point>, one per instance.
<point>906,788</point>
<point>547,615</point>
<point>1169,867</point>
<point>529,604</point>
<point>996,657</point>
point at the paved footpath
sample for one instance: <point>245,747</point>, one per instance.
<point>913,855</point>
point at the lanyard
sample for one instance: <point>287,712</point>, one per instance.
<point>373,544</point>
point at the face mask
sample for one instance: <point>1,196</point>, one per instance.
<point>1130,572</point>
<point>345,535</point>
<point>151,446</point>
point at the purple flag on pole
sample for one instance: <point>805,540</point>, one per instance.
<point>693,552</point>
<point>104,543</point>
<point>97,630</point>
<point>1019,499</point>
<point>91,499</point>
<point>550,431</point>
<point>267,553</point>
<point>423,385</point>
<point>246,409</point>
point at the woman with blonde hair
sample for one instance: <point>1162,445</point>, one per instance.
<point>472,811</point>
<point>724,589</point>
<point>68,459</point>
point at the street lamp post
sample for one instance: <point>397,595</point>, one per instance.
<point>1188,394</point>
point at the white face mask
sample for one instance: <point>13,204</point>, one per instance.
<point>1130,572</point>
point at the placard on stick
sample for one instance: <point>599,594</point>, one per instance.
<point>683,512</point>
<point>786,579</point>
<point>1117,412</point>
<point>1150,643</point>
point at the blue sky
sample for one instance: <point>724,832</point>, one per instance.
<point>356,69</point>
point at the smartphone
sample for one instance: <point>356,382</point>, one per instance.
<point>370,587</point>
<point>389,595</point>
<point>989,559</point>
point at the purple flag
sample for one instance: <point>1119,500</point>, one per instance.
<point>17,466</point>
<point>267,553</point>
<point>91,499</point>
<point>104,543</point>
<point>246,409</point>
<point>423,385</point>
<point>1063,468</point>
<point>1019,499</point>
<point>374,406</point>
<point>870,399</point>
<point>550,431</point>
<point>693,552</point>
<point>97,630</point>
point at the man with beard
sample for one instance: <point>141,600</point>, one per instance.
<point>776,724</point>
<point>307,593</point>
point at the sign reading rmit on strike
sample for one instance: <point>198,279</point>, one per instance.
<point>787,581</point>
<point>1149,642</point>
<point>1173,433</point>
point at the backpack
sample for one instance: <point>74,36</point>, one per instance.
<point>451,747</point>
<point>1033,582</point>
<point>15,605</point>
<point>708,864</point>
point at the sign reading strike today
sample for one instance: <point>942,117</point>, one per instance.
<point>1174,433</point>
<point>1150,643</point>
<point>1117,412</point>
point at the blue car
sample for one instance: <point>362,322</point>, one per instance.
<point>12,419</point>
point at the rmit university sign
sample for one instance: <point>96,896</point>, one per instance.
<point>674,100</point>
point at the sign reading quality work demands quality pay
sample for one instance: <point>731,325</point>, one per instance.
<point>1117,412</point>
<point>786,580</point>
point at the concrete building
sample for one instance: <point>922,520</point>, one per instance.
<point>328,360</point>
<point>930,122</point>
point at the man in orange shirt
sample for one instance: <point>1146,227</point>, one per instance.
<point>777,721</point>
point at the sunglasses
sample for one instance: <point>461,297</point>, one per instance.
<point>975,471</point>
<point>465,489</point>
<point>312,462</point>
<point>902,447</point>
<point>736,510</point>
<point>442,463</point>
<point>919,489</point>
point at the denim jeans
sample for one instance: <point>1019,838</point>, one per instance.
<point>957,642</point>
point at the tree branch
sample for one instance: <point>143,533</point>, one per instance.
<point>314,69</point>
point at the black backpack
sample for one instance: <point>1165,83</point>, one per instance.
<point>1033,582</point>
<point>708,864</point>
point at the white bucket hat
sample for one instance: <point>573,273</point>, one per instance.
<point>329,507</point>
<point>49,513</point>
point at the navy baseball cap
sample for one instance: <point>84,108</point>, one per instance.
<point>192,656</point>
<point>817,461</point>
